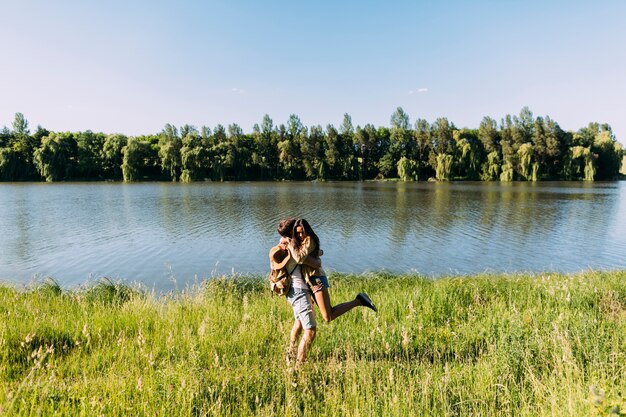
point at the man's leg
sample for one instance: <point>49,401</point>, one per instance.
<point>292,353</point>
<point>305,345</point>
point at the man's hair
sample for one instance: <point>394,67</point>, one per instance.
<point>285,227</point>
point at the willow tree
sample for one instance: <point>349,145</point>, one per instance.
<point>581,161</point>
<point>407,169</point>
<point>526,153</point>
<point>112,155</point>
<point>9,164</point>
<point>468,153</point>
<point>491,168</point>
<point>56,156</point>
<point>508,169</point>
<point>445,163</point>
<point>136,152</point>
<point>194,156</point>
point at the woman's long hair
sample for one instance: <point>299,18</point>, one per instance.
<point>309,231</point>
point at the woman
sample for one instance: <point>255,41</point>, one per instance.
<point>305,243</point>
<point>309,277</point>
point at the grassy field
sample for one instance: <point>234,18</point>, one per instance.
<point>482,345</point>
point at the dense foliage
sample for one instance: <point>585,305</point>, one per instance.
<point>490,345</point>
<point>518,148</point>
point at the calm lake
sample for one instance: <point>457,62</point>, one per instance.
<point>170,235</point>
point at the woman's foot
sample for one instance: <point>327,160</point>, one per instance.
<point>365,301</point>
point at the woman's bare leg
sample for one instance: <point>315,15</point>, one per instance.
<point>329,313</point>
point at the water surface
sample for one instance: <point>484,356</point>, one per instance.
<point>169,235</point>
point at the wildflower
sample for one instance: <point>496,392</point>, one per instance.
<point>411,309</point>
<point>405,338</point>
<point>141,340</point>
<point>29,338</point>
<point>139,384</point>
<point>597,395</point>
<point>391,377</point>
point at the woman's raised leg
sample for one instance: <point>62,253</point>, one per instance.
<point>329,313</point>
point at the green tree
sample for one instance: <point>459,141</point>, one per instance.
<point>422,148</point>
<point>445,164</point>
<point>401,138</point>
<point>194,155</point>
<point>219,153</point>
<point>9,164</point>
<point>332,153</point>
<point>491,169</point>
<point>556,153</point>
<point>523,128</point>
<point>609,154</point>
<point>89,154</point>
<point>468,153</point>
<point>24,146</point>
<point>442,136</point>
<point>136,153</point>
<point>407,169</point>
<point>113,155</point>
<point>289,147</point>
<point>265,155</point>
<point>312,153</point>
<point>170,145</point>
<point>508,169</point>
<point>488,134</point>
<point>581,163</point>
<point>239,151</point>
<point>367,145</point>
<point>56,157</point>
<point>586,135</point>
<point>5,137</point>
<point>347,150</point>
<point>526,153</point>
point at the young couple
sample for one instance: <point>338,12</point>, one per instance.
<point>309,282</point>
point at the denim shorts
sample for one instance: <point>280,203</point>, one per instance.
<point>300,300</point>
<point>319,282</point>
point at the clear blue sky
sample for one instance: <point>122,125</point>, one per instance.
<point>132,66</point>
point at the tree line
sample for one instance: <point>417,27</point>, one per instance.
<point>519,147</point>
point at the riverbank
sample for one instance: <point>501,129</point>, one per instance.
<point>481,345</point>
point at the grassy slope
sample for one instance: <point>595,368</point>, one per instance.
<point>482,345</point>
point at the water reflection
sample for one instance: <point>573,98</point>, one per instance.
<point>161,232</point>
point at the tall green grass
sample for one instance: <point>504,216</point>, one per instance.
<point>483,345</point>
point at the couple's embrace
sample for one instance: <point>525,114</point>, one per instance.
<point>300,247</point>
